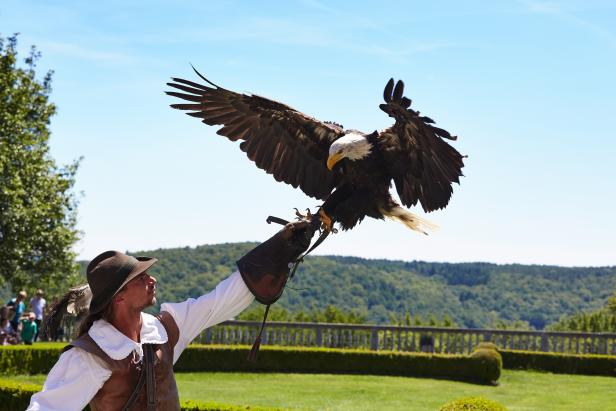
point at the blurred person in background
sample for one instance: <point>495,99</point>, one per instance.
<point>38,303</point>
<point>7,334</point>
<point>18,306</point>
<point>28,329</point>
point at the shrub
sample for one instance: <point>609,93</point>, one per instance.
<point>39,358</point>
<point>16,396</point>
<point>560,363</point>
<point>473,404</point>
<point>487,344</point>
<point>489,364</point>
<point>327,360</point>
<point>29,359</point>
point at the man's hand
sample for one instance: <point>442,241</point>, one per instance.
<point>299,233</point>
<point>265,269</point>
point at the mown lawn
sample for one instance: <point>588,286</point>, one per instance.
<point>518,390</point>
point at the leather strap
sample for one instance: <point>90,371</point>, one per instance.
<point>145,378</point>
<point>133,397</point>
<point>150,378</point>
<point>300,259</point>
<point>252,355</point>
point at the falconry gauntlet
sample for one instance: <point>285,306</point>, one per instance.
<point>265,269</point>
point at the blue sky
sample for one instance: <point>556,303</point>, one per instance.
<point>528,87</point>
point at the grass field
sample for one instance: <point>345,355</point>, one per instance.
<point>518,390</point>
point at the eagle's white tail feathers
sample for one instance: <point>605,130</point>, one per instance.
<point>412,221</point>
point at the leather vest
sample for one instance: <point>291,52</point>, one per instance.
<point>125,374</point>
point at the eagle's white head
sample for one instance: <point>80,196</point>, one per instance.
<point>353,146</point>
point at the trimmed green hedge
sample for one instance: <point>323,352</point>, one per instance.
<point>560,363</point>
<point>326,360</point>
<point>39,358</point>
<point>473,404</point>
<point>29,359</point>
<point>16,396</point>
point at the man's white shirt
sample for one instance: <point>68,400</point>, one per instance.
<point>38,306</point>
<point>78,375</point>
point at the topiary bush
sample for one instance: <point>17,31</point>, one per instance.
<point>473,404</point>
<point>489,363</point>
<point>487,344</point>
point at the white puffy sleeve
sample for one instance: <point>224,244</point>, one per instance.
<point>71,383</point>
<point>229,298</point>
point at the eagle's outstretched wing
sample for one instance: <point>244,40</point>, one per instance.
<point>422,164</point>
<point>280,140</point>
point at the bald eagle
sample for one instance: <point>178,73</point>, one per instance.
<point>349,170</point>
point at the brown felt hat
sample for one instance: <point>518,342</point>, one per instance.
<point>108,272</point>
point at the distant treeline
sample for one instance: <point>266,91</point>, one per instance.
<point>383,291</point>
<point>602,320</point>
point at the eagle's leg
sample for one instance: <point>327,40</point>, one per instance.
<point>326,222</point>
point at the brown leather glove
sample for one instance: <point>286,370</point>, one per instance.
<point>265,269</point>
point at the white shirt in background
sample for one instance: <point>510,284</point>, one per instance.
<point>38,305</point>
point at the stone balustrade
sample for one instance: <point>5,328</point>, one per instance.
<point>428,339</point>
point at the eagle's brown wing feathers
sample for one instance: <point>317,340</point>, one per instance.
<point>280,140</point>
<point>422,164</point>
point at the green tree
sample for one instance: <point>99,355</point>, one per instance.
<point>37,206</point>
<point>611,303</point>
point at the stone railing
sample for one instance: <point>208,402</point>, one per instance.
<point>428,339</point>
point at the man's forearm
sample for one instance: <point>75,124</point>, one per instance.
<point>229,298</point>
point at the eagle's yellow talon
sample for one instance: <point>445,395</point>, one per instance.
<point>326,222</point>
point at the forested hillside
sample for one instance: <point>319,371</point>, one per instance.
<point>472,294</point>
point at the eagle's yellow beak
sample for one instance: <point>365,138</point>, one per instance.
<point>333,159</point>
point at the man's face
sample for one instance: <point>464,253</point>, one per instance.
<point>140,292</point>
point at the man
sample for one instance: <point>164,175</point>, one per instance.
<point>105,364</point>
<point>18,306</point>
<point>38,303</point>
